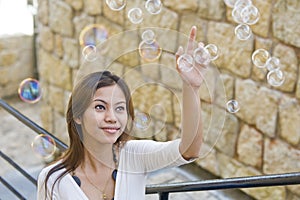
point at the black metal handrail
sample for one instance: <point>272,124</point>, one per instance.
<point>228,183</point>
<point>11,188</point>
<point>164,189</point>
<point>35,127</point>
<point>17,167</point>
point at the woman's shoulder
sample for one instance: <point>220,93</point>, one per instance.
<point>44,172</point>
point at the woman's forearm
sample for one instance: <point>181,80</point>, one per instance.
<point>191,138</point>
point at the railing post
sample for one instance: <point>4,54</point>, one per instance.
<point>163,195</point>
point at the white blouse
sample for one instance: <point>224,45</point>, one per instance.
<point>137,158</point>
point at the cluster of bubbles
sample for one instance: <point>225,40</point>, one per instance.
<point>233,106</point>
<point>245,14</point>
<point>142,120</point>
<point>149,48</point>
<point>30,90</point>
<point>135,15</point>
<point>43,146</point>
<point>91,36</point>
<point>261,58</point>
<point>202,55</point>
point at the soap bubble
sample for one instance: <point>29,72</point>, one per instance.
<point>142,120</point>
<point>250,15</point>
<point>89,53</point>
<point>149,51</point>
<point>275,78</point>
<point>135,15</point>
<point>242,3</point>
<point>213,51</point>
<point>154,7</point>
<point>44,146</point>
<point>116,5</point>
<point>233,106</point>
<point>30,91</point>
<point>185,62</point>
<point>243,32</point>
<point>260,57</point>
<point>202,56</point>
<point>273,63</point>
<point>148,36</point>
<point>93,34</point>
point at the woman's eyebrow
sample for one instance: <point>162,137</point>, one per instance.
<point>120,102</point>
<point>100,101</point>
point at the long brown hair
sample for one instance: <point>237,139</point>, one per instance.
<point>79,101</point>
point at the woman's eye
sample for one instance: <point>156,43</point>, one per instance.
<point>99,107</point>
<point>120,108</point>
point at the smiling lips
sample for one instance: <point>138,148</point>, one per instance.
<point>110,130</point>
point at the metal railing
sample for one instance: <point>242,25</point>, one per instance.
<point>163,190</point>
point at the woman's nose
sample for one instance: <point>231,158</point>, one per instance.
<point>110,116</point>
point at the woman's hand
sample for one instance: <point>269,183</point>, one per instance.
<point>195,76</point>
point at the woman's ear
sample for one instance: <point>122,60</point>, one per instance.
<point>77,120</point>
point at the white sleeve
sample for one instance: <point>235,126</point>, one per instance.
<point>148,155</point>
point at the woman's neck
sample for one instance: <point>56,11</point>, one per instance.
<point>99,158</point>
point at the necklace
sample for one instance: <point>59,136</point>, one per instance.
<point>104,196</point>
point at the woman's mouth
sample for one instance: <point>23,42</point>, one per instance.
<point>110,130</point>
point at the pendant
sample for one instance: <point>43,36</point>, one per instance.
<point>104,196</point>
<point>114,174</point>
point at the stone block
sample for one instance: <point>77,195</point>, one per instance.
<point>289,118</point>
<point>279,157</point>
<point>285,21</point>
<point>258,106</point>
<point>46,38</point>
<point>93,7</point>
<point>43,12</point>
<point>211,9</point>
<point>56,98</point>
<point>76,4</point>
<point>262,27</point>
<point>60,18</point>
<point>70,56</point>
<point>181,6</point>
<point>250,147</point>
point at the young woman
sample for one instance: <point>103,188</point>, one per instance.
<point>101,161</point>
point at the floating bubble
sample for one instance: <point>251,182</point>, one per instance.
<point>148,36</point>
<point>135,15</point>
<point>93,34</point>
<point>89,53</point>
<point>243,32</point>
<point>230,3</point>
<point>242,3</point>
<point>236,15</point>
<point>250,15</point>
<point>275,78</point>
<point>44,146</point>
<point>154,7</point>
<point>149,51</point>
<point>260,57</point>
<point>142,120</point>
<point>30,91</point>
<point>185,62</point>
<point>233,106</point>
<point>202,55</point>
<point>273,63</point>
<point>116,5</point>
<point>213,51</point>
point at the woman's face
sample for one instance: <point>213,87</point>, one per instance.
<point>106,117</point>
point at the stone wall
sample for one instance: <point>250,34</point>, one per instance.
<point>16,63</point>
<point>263,137</point>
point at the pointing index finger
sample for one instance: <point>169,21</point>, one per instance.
<point>191,38</point>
